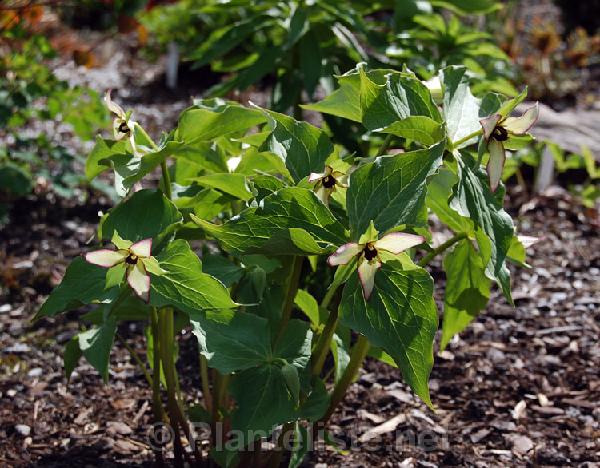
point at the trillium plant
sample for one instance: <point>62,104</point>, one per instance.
<point>290,258</point>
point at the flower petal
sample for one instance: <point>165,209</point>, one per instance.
<point>397,242</point>
<point>521,125</point>
<point>314,176</point>
<point>113,106</point>
<point>142,248</point>
<point>105,258</point>
<point>323,194</point>
<point>489,124</point>
<point>366,275</point>
<point>139,281</point>
<point>344,254</point>
<point>496,163</point>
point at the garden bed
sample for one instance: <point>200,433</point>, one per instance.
<point>519,387</point>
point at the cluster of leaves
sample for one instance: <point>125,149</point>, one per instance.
<point>297,45</point>
<point>29,91</point>
<point>260,297</point>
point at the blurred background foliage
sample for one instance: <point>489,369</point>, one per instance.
<point>287,53</point>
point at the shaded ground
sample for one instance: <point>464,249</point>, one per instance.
<point>521,386</point>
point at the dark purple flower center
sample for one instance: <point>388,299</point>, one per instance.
<point>500,133</point>
<point>123,128</point>
<point>370,252</point>
<point>329,181</point>
<point>131,259</point>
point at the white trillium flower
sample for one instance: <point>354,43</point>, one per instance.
<point>368,249</point>
<point>327,182</point>
<point>496,130</point>
<point>132,259</point>
<point>123,124</point>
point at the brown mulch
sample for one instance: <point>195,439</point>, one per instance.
<point>519,387</point>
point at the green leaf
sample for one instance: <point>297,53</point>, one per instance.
<point>400,317</point>
<point>308,304</point>
<point>391,190</point>
<point>292,380</point>
<point>14,180</point>
<point>401,96</point>
<point>95,345</point>
<point>263,399</point>
<point>235,185</point>
<point>71,356</point>
<point>439,191</point>
<point>227,38</point>
<point>302,147</point>
<point>302,444</point>
<point>146,214</point>
<point>417,128</point>
<point>98,160</point>
<point>467,289</point>
<point>223,269</point>
<point>82,284</point>
<point>468,6</point>
<point>291,221</point>
<point>203,124</point>
<point>473,198</point>
<point>461,108</point>
<point>184,285</point>
<point>346,100</point>
<point>232,341</point>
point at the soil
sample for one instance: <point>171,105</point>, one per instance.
<point>520,387</point>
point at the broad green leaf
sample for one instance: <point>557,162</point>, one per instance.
<point>417,128</point>
<point>263,399</point>
<point>439,192</point>
<point>401,96</point>
<point>298,26</point>
<point>473,198</point>
<point>400,317</point>
<point>282,224</point>
<point>98,160</point>
<point>382,356</point>
<point>294,344</point>
<point>82,284</point>
<point>14,180</point>
<point>203,124</point>
<point>461,108</point>
<point>146,214</point>
<point>128,308</point>
<point>340,350</point>
<point>184,285</point>
<point>223,269</point>
<point>302,147</point>
<point>95,345</point>
<point>232,184</point>
<point>391,190</point>
<point>232,341</point>
<point>292,380</point>
<point>346,100</point>
<point>467,289</point>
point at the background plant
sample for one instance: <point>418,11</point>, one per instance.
<point>31,97</point>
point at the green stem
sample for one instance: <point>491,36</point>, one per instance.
<point>166,178</point>
<point>137,360</point>
<point>442,248</point>
<point>205,383</point>
<point>292,289</point>
<point>467,138</point>
<point>321,349</point>
<point>157,407</point>
<point>384,146</point>
<point>357,356</point>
